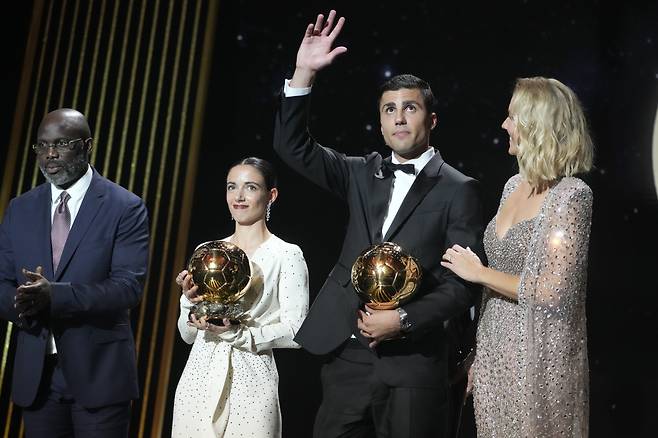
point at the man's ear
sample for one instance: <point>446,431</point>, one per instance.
<point>433,120</point>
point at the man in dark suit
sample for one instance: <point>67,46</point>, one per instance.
<point>386,371</point>
<point>73,259</point>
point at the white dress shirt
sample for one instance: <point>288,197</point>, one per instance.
<point>77,193</point>
<point>402,183</point>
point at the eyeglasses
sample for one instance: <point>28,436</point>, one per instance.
<point>60,145</point>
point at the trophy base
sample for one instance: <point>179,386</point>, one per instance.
<point>216,312</point>
<point>220,321</point>
<point>383,306</point>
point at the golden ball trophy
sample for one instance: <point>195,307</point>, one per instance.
<point>222,272</point>
<point>385,276</point>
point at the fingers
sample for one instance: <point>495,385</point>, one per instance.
<point>318,24</point>
<point>450,255</point>
<point>309,30</point>
<point>27,305</point>
<point>21,307</point>
<point>195,299</point>
<point>326,28</point>
<point>23,297</point>
<point>189,288</point>
<point>359,322</point>
<point>191,292</point>
<point>199,323</point>
<point>28,288</point>
<point>363,328</point>
<point>203,324</point>
<point>330,21</point>
<point>336,30</point>
<point>33,276</point>
<point>337,51</point>
<point>214,328</point>
<point>29,312</point>
<point>181,276</point>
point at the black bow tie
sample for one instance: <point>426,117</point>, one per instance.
<point>392,167</point>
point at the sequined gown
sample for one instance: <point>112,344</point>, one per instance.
<point>229,387</point>
<point>531,371</point>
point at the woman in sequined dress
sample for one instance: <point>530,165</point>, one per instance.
<point>530,374</point>
<point>229,387</point>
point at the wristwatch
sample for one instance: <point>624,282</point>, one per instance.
<point>405,325</point>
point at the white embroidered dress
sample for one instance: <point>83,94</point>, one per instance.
<point>229,387</point>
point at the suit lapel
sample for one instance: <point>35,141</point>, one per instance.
<point>91,205</point>
<point>379,193</point>
<point>44,223</point>
<point>424,182</point>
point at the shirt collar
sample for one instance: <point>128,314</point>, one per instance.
<point>418,162</point>
<point>77,190</point>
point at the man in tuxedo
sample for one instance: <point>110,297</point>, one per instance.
<point>73,259</point>
<point>386,371</point>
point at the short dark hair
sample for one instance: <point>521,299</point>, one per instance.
<point>411,82</point>
<point>263,166</point>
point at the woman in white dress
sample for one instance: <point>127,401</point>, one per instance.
<point>229,387</point>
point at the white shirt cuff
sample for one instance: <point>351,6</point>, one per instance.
<point>289,91</point>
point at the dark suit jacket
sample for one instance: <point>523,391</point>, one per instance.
<point>441,208</point>
<point>99,279</point>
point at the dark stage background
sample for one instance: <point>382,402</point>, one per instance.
<point>471,54</point>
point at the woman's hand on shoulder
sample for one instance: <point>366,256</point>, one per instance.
<point>463,262</point>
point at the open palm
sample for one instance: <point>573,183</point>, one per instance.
<point>315,52</point>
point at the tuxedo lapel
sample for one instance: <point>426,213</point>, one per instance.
<point>424,182</point>
<point>379,193</point>
<point>91,205</point>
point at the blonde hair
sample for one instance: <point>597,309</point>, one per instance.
<point>554,140</point>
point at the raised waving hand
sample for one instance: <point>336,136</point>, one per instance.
<point>316,52</point>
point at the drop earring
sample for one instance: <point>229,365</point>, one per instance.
<point>267,211</point>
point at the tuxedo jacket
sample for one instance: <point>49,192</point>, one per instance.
<point>442,208</point>
<point>100,277</point>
